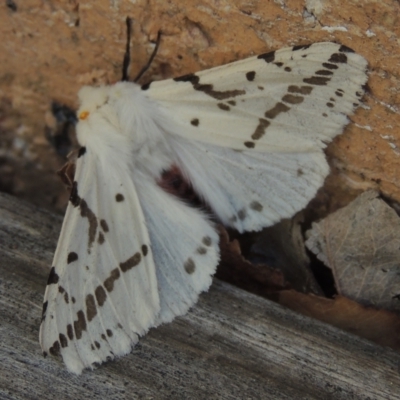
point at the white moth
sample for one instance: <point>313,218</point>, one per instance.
<point>249,136</point>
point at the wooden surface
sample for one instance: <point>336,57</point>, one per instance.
<point>231,345</point>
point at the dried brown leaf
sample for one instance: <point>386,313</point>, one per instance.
<point>360,243</point>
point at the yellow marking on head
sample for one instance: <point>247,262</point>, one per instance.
<point>83,115</point>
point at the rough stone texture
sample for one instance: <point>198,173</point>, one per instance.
<point>50,49</point>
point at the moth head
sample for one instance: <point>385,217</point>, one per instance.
<point>91,99</point>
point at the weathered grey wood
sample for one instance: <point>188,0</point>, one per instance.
<point>232,345</point>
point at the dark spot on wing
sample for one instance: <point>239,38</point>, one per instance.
<point>242,214</point>
<point>64,292</point>
<point>63,340</point>
<point>72,256</point>
<point>130,262</point>
<point>317,80</point>
<point>192,78</point>
<point>300,172</point>
<point>288,69</point>
<point>145,250</point>
<point>300,89</point>
<point>301,47</point>
<point>91,309</point>
<point>223,106</point>
<point>201,250</point>
<point>330,105</point>
<point>53,277</point>
<point>119,197</point>
<point>345,49</point>
<point>195,122</point>
<point>100,294</point>
<point>86,212</point>
<point>250,75</point>
<point>291,99</point>
<point>109,282</point>
<point>74,197</point>
<point>260,129</point>
<point>146,85</point>
<point>324,72</point>
<point>256,206</point>
<point>276,110</point>
<point>55,349</point>
<point>338,58</point>
<point>189,266</point>
<point>81,151</point>
<point>70,332</point>
<point>101,238</point>
<point>206,240</point>
<point>339,94</point>
<point>233,219</point>
<point>104,225</point>
<point>79,324</point>
<point>329,66</point>
<point>109,332</point>
<point>250,145</point>
<point>44,309</point>
<point>260,87</point>
<point>279,64</point>
<point>232,102</point>
<point>208,89</point>
<point>267,57</point>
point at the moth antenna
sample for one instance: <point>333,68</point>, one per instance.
<point>127,55</point>
<point>153,54</point>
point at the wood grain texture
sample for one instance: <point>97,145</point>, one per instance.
<point>231,345</point>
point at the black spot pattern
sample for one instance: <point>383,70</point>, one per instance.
<point>119,197</point>
<point>189,266</point>
<point>223,107</point>
<point>146,86</point>
<point>242,214</point>
<point>256,206</point>
<point>130,262</point>
<point>250,75</point>
<point>206,241</point>
<point>72,256</point>
<point>53,277</point>
<point>63,340</point>
<point>301,47</point>
<point>208,89</point>
<point>44,309</point>
<point>81,151</point>
<point>267,57</point>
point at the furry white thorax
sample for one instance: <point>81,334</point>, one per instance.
<point>119,127</point>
